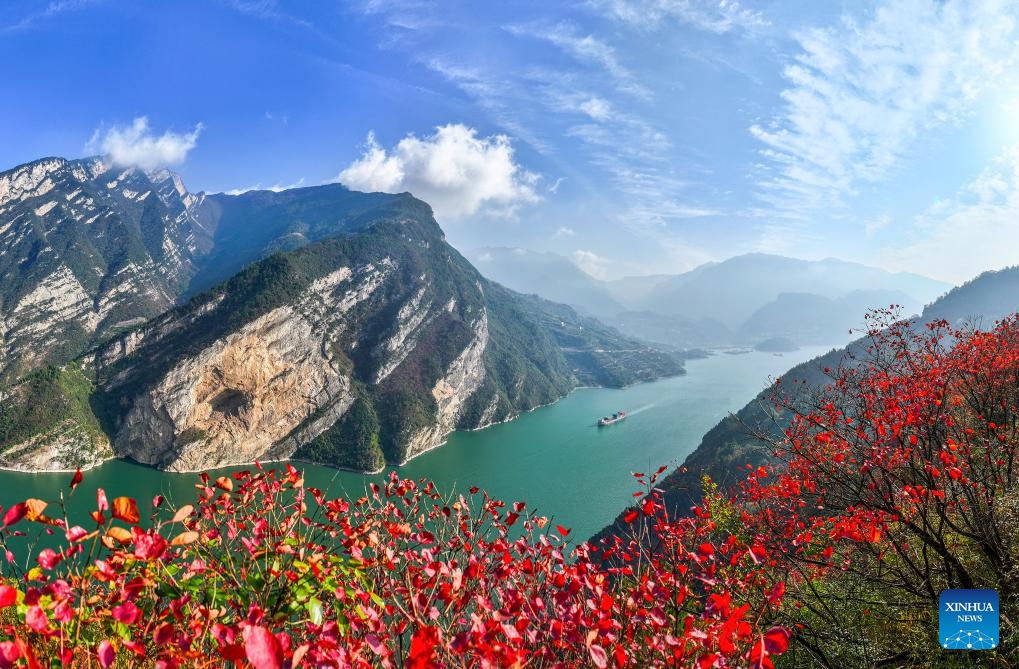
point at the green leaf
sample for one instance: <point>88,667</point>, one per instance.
<point>314,608</point>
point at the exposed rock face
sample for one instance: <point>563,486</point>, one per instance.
<point>238,399</point>
<point>462,379</point>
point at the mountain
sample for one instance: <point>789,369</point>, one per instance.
<point>674,331</point>
<point>740,301</point>
<point>552,276</point>
<point>731,291</point>
<point>729,446</point>
<point>634,290</point>
<point>87,252</point>
<point>809,318</point>
<point>317,323</point>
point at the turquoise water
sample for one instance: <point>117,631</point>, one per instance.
<point>555,458</point>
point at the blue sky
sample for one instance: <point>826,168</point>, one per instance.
<point>635,136</point>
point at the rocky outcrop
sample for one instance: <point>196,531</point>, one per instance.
<point>238,400</point>
<point>462,379</point>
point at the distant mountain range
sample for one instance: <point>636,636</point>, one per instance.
<point>728,447</point>
<point>740,301</point>
<point>191,331</point>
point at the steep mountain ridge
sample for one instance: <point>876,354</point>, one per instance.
<point>347,331</point>
<point>88,250</point>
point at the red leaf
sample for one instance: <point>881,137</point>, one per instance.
<point>262,648</point>
<point>15,513</point>
<point>76,479</point>
<point>36,619</point>
<point>126,509</point>
<point>107,654</point>
<point>562,530</point>
<point>422,648</point>
<point>126,613</point>
<point>8,596</point>
<point>776,640</point>
<point>630,517</point>
<point>599,657</point>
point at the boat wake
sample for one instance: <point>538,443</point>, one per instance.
<point>637,411</point>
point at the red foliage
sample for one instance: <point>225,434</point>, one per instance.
<point>267,573</point>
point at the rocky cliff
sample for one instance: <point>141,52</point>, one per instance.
<point>87,251</point>
<point>324,324</point>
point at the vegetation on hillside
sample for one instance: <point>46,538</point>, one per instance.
<point>43,401</point>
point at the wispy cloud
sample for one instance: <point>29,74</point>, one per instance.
<point>860,96</point>
<point>976,229</point>
<point>51,10</point>
<point>454,170</point>
<point>716,16</point>
<point>136,145</point>
<point>586,48</point>
<point>267,10</point>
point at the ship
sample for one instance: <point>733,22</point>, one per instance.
<point>614,418</point>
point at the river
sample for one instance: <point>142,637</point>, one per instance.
<point>555,458</point>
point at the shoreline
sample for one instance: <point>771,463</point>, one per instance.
<point>386,466</point>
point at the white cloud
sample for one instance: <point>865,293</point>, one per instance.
<point>137,146</point>
<point>717,16</point>
<point>597,108</point>
<point>861,96</point>
<point>453,170</point>
<point>565,231</point>
<point>976,230</point>
<point>591,262</point>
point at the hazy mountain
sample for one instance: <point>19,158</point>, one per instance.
<point>328,324</point>
<point>808,318</point>
<point>731,291</point>
<point>674,331</point>
<point>635,290</point>
<point>549,275</point>
<point>728,447</point>
<point>739,301</point>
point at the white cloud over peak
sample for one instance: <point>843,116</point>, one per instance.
<point>137,146</point>
<point>453,170</point>
<point>275,188</point>
<point>861,96</point>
